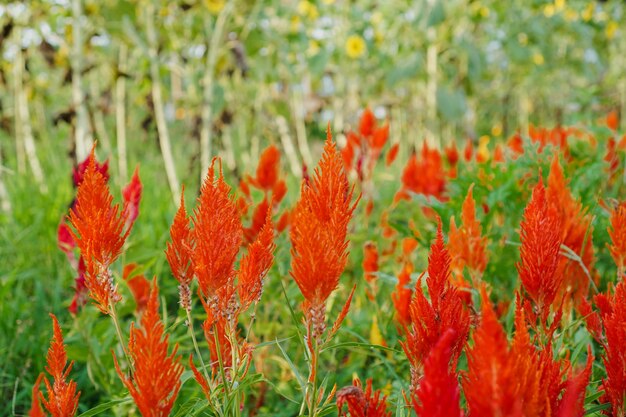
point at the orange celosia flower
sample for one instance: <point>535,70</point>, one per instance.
<point>468,151</point>
<point>178,252</point>
<point>318,234</point>
<point>258,220</point>
<point>429,320</point>
<point>612,158</point>
<point>613,313</point>
<point>423,176</point>
<point>217,234</point>
<point>138,284</point>
<point>452,154</point>
<point>576,233</point>
<point>268,170</point>
<point>362,404</point>
<point>617,232</point>
<point>368,122</point>
<point>438,393</point>
<point>62,398</point>
<point>100,230</point>
<point>539,253</point>
<point>392,154</point>
<point>35,408</point>
<point>370,261</point>
<point>365,146</point>
<point>155,381</point>
<point>467,246</point>
<point>498,153</point>
<point>573,402</point>
<point>255,265</point>
<point>516,144</point>
<point>612,120</point>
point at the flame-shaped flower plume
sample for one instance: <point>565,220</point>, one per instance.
<point>438,393</point>
<point>179,252</point>
<point>368,403</point>
<point>100,230</point>
<point>62,398</point>
<point>539,253</point>
<point>319,234</point>
<point>617,232</point>
<point>155,382</point>
<point>430,319</point>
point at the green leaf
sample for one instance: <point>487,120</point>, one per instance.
<point>104,407</point>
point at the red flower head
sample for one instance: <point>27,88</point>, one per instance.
<point>429,320</point>
<point>78,173</point>
<point>35,408</point>
<point>138,284</point>
<point>362,404</point>
<point>539,253</point>
<point>217,234</point>
<point>156,379</point>
<point>392,154</point>
<point>179,251</point>
<point>268,170</point>
<point>62,398</point>
<point>612,120</point>
<point>319,228</point>
<point>617,232</point>
<point>100,230</point>
<point>370,261</point>
<point>438,393</point>
<point>423,176</point>
<point>132,197</point>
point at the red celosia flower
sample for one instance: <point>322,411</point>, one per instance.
<point>132,197</point>
<point>576,232</point>
<point>438,393</point>
<point>539,253</point>
<point>392,154</point>
<point>138,284</point>
<point>217,234</point>
<point>612,158</point>
<point>429,320</point>
<point>516,144</point>
<point>35,408</point>
<point>573,402</point>
<point>319,228</point>
<point>279,191</point>
<point>401,297</point>
<point>617,232</point>
<point>283,221</point>
<point>498,153</point>
<point>612,120</point>
<point>365,146</point>
<point>452,154</point>
<point>258,220</point>
<point>255,265</point>
<point>368,122</point>
<point>468,151</point>
<point>62,398</point>
<point>467,246</point>
<point>362,404</point>
<point>100,230</point>
<point>179,250</point>
<point>268,170</point>
<point>423,176</point>
<point>78,173</point>
<point>65,241</point>
<point>613,313</point>
<point>155,381</point>
<point>370,261</point>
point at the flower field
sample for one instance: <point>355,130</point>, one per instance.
<point>313,208</point>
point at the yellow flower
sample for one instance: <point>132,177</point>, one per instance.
<point>376,338</point>
<point>314,48</point>
<point>355,46</point>
<point>376,18</point>
<point>496,130</point>
<point>548,10</point>
<point>559,4</point>
<point>328,1</point>
<point>308,9</point>
<point>587,14</point>
<point>571,15</point>
<point>214,6</point>
<point>538,58</point>
<point>522,38</point>
<point>484,11</point>
<point>611,28</point>
<point>483,148</point>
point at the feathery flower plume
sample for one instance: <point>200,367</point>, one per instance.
<point>132,197</point>
<point>268,170</point>
<point>138,284</point>
<point>99,230</point>
<point>370,261</point>
<point>425,175</point>
<point>361,403</point>
<point>617,232</point>
<point>541,242</point>
<point>217,234</point>
<point>430,319</point>
<point>62,398</point>
<point>613,313</point>
<point>35,408</point>
<point>467,246</point>
<point>573,402</point>
<point>438,393</point>
<point>319,234</point>
<point>179,251</point>
<point>156,381</point>
<point>576,234</point>
<point>392,154</point>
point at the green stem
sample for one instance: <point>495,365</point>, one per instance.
<point>220,361</point>
<point>118,330</point>
<point>196,347</point>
